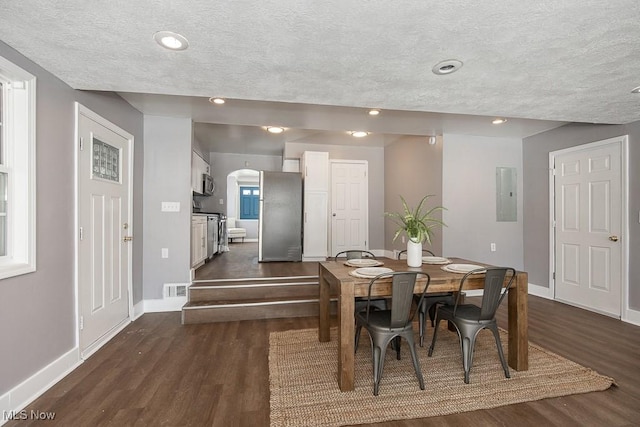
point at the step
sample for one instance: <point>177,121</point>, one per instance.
<point>253,309</point>
<point>303,287</point>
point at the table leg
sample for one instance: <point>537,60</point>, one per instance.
<point>519,323</point>
<point>346,337</point>
<point>324,333</point>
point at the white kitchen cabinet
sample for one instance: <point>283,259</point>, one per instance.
<point>199,166</point>
<point>314,166</point>
<point>314,243</point>
<point>198,240</point>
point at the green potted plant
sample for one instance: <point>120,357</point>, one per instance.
<point>418,225</point>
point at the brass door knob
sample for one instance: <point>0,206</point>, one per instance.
<point>613,238</point>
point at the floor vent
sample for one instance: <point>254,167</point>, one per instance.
<point>172,290</point>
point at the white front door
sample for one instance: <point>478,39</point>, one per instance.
<point>104,221</point>
<point>588,213</point>
<point>349,206</point>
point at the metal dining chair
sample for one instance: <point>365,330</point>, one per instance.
<point>470,319</point>
<point>376,304</point>
<point>429,302</point>
<point>354,254</point>
<point>389,326</point>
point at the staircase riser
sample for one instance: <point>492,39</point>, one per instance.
<point>231,313</point>
<point>245,292</point>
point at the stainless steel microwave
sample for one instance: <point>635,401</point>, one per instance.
<point>207,185</point>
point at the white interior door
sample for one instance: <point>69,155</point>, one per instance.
<point>349,206</point>
<point>588,212</point>
<point>104,220</point>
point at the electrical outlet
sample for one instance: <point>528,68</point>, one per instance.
<point>493,247</point>
<point>222,201</point>
<point>403,240</point>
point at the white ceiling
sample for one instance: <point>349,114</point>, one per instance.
<point>315,67</point>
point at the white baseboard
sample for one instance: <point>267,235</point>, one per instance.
<point>30,389</point>
<point>540,291</point>
<point>165,304</point>
<point>138,310</point>
<point>631,316</point>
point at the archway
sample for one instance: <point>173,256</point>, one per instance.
<point>245,178</point>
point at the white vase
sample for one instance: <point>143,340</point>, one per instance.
<point>414,253</point>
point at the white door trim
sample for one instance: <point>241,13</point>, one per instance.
<point>81,110</point>
<point>623,140</point>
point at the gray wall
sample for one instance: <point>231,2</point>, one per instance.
<point>375,158</point>
<point>469,194</point>
<point>412,169</point>
<point>536,151</point>
<point>167,177</point>
<point>37,310</point>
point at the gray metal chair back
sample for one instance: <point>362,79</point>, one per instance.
<point>494,289</point>
<point>424,251</point>
<point>354,254</point>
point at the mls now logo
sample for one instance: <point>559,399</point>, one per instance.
<point>28,415</point>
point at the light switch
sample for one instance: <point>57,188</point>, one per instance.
<point>170,207</point>
<point>165,252</point>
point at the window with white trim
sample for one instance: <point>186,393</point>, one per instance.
<point>17,170</point>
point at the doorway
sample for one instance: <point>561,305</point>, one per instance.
<point>588,246</point>
<point>104,218</point>
<point>349,205</point>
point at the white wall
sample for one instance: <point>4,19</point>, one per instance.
<point>469,193</point>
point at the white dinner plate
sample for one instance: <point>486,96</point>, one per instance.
<point>363,262</point>
<point>435,260</point>
<point>463,268</point>
<point>370,272</point>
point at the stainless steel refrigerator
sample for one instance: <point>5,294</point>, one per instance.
<point>280,223</point>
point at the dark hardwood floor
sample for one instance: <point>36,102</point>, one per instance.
<point>242,261</point>
<point>159,372</point>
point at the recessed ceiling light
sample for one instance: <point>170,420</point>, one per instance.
<point>275,129</point>
<point>446,67</point>
<point>218,101</point>
<point>358,133</point>
<point>374,112</point>
<point>498,121</point>
<point>636,90</point>
<point>170,40</point>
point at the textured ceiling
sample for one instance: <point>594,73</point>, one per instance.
<point>572,60</point>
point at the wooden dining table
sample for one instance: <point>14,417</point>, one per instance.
<point>335,280</point>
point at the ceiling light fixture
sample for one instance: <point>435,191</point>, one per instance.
<point>358,133</point>
<point>446,67</point>
<point>498,121</point>
<point>218,101</point>
<point>275,129</point>
<point>636,90</point>
<point>374,112</point>
<point>170,40</point>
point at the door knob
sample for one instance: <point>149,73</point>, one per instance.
<point>613,238</point>
<point>334,214</point>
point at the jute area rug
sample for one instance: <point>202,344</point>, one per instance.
<point>304,388</point>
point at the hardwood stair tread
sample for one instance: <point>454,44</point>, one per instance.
<point>252,301</point>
